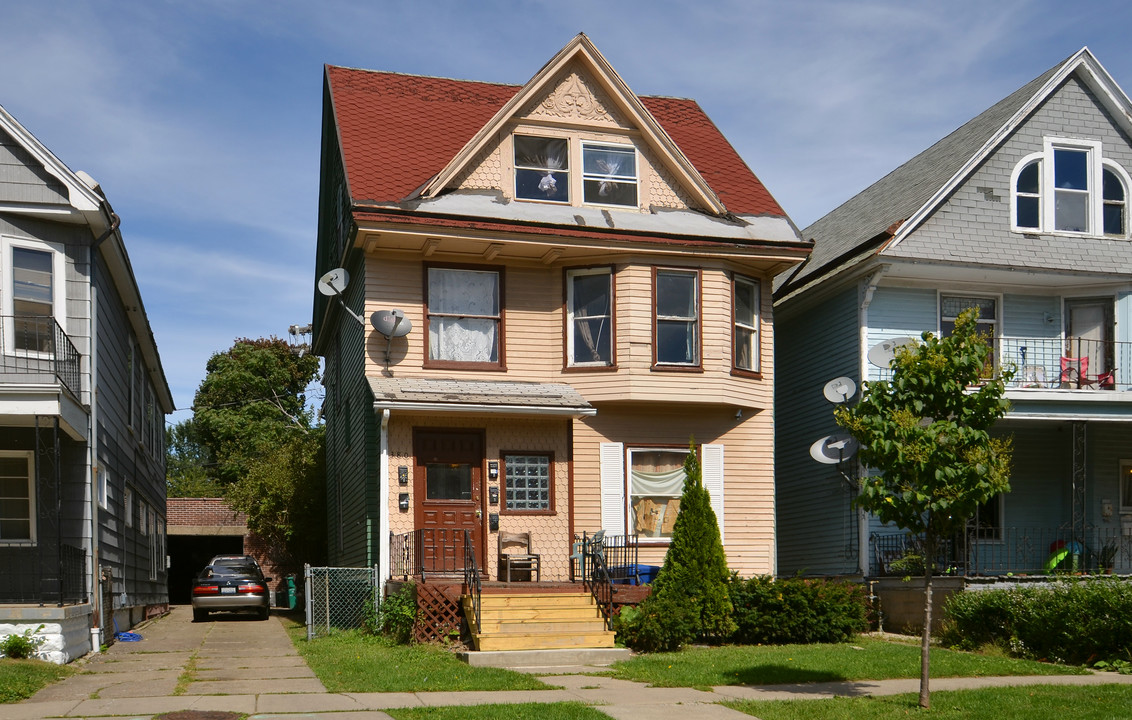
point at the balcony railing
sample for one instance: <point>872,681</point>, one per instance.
<point>1059,363</point>
<point>43,574</point>
<point>36,345</point>
<point>1002,551</point>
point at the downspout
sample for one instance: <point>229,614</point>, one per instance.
<point>383,499</point>
<point>93,469</point>
<point>870,287</point>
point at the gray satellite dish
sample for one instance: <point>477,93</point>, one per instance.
<point>884,352</point>
<point>839,390</point>
<point>833,449</point>
<point>334,282</point>
<point>391,323</point>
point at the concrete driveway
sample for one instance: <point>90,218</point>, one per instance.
<point>227,655</point>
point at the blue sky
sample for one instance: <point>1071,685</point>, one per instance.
<point>201,119</point>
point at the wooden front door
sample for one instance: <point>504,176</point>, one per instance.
<point>447,484</point>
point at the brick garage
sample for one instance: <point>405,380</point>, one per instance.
<point>198,529</point>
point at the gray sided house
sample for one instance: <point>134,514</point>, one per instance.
<point>1023,213</point>
<point>82,405</point>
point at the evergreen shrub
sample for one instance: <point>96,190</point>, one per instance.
<point>1068,621</point>
<point>795,610</point>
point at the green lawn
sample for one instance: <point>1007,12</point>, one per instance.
<point>1099,702</point>
<point>524,711</point>
<point>20,679</point>
<point>355,662</point>
<point>863,659</point>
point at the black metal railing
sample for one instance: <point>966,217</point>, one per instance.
<point>1013,550</point>
<point>43,574</point>
<point>472,584</point>
<point>1059,363</point>
<point>621,553</point>
<point>36,345</point>
<point>427,551</point>
<point>596,577</point>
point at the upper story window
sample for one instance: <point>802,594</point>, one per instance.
<point>676,332</point>
<point>542,168</point>
<point>32,290</point>
<point>609,174</point>
<point>745,338</point>
<point>589,317</point>
<point>950,306</point>
<point>1070,188</point>
<point>465,317</point>
<point>542,171</point>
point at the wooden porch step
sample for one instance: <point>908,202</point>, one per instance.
<point>538,621</point>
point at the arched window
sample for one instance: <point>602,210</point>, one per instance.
<point>1114,203</point>
<point>1028,196</point>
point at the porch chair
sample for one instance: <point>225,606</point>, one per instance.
<point>515,554</point>
<point>1073,371</point>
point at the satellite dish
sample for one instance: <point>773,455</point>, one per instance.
<point>884,352</point>
<point>839,390</point>
<point>391,323</point>
<point>833,449</point>
<point>334,282</point>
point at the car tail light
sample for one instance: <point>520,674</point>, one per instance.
<point>251,588</point>
<point>206,590</point>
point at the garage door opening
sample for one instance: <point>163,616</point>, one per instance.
<point>189,553</point>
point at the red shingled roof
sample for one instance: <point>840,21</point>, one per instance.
<point>397,131</point>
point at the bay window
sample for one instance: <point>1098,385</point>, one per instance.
<point>676,302</point>
<point>745,336</point>
<point>589,317</point>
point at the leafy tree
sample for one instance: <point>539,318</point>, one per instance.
<point>261,444</point>
<point>187,464</point>
<point>695,575</point>
<point>926,432</point>
<point>251,401</point>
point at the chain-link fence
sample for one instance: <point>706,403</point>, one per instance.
<point>339,597</point>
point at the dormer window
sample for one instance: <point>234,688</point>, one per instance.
<point>609,174</point>
<point>542,171</point>
<point>1069,188</point>
<point>542,168</point>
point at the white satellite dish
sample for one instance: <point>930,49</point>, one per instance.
<point>391,323</point>
<point>833,449</point>
<point>884,352</point>
<point>334,282</point>
<point>839,390</point>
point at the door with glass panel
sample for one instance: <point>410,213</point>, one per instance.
<point>447,488</point>
<point>1088,339</point>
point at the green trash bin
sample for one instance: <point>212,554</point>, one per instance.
<point>290,598</point>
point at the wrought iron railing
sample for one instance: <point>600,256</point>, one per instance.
<point>596,577</point>
<point>427,551</point>
<point>621,553</point>
<point>1013,550</point>
<point>43,574</point>
<point>472,585</point>
<point>36,345</point>
<point>1059,363</point>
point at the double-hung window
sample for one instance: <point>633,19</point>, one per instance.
<point>589,317</point>
<point>465,317</point>
<point>656,482</point>
<point>676,332</point>
<point>746,324</point>
<point>609,174</point>
<point>17,496</point>
<point>1070,187</point>
<point>950,306</point>
<point>1126,486</point>
<point>32,291</point>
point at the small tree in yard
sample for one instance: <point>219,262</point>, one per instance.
<point>926,432</point>
<point>690,595</point>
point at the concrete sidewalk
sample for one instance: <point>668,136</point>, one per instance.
<point>246,666</point>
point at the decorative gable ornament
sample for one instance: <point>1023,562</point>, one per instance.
<point>574,99</point>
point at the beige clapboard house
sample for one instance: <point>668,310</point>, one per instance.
<point>584,276</point>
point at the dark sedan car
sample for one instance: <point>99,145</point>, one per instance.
<point>231,583</point>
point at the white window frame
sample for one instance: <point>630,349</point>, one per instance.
<point>737,325</point>
<point>1047,193</point>
<point>634,179</point>
<point>570,318</point>
<point>103,488</point>
<point>7,287</point>
<point>128,506</point>
<point>32,536</point>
